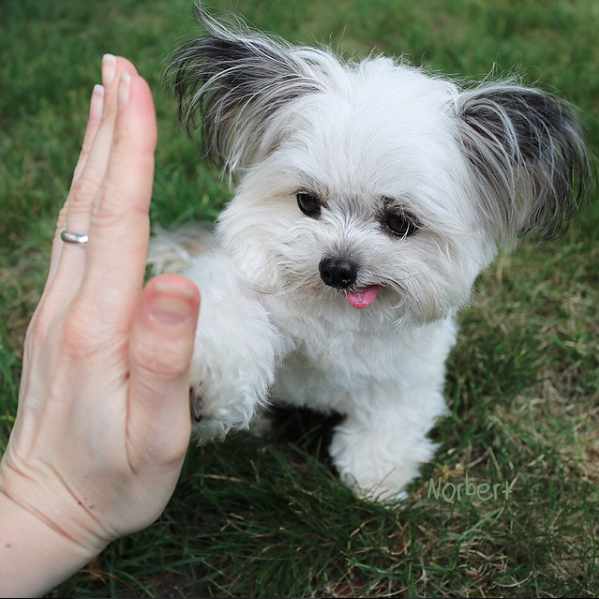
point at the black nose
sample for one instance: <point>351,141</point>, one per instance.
<point>338,272</point>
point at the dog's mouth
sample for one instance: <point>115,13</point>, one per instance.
<point>362,298</point>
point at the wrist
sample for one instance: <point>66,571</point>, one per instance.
<point>35,556</point>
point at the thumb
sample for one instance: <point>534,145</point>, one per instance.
<point>160,350</point>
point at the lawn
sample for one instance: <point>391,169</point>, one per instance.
<point>508,507</point>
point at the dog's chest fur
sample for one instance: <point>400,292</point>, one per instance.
<point>335,352</point>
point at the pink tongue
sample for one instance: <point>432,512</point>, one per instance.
<point>363,297</point>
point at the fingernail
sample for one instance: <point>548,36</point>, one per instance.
<point>96,105</point>
<point>171,304</point>
<point>108,69</point>
<point>124,88</point>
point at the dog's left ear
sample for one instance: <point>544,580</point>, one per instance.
<point>529,158</point>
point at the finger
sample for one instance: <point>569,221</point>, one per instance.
<point>160,350</point>
<point>86,185</point>
<point>96,108</point>
<point>90,170</point>
<point>119,225</point>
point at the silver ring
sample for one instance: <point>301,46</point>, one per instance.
<point>73,237</point>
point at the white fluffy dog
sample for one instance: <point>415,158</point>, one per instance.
<point>369,196</point>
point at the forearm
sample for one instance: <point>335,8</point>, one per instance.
<point>34,557</point>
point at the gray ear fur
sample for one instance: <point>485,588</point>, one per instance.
<point>529,156</point>
<point>234,81</point>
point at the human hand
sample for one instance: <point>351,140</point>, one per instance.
<point>103,422</point>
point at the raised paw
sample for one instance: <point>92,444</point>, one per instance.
<point>216,410</point>
<point>205,428</point>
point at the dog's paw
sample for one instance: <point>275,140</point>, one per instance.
<point>209,423</point>
<point>220,404</point>
<point>205,428</point>
<point>379,464</point>
<point>364,486</point>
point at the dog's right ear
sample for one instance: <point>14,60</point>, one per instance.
<point>234,81</point>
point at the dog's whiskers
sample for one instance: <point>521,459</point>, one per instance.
<point>311,285</point>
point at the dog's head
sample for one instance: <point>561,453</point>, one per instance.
<point>373,180</point>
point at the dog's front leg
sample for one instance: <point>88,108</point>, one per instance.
<point>236,350</point>
<point>378,452</point>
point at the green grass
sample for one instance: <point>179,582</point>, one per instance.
<point>267,518</point>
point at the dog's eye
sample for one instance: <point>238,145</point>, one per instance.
<point>308,203</point>
<point>400,224</point>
